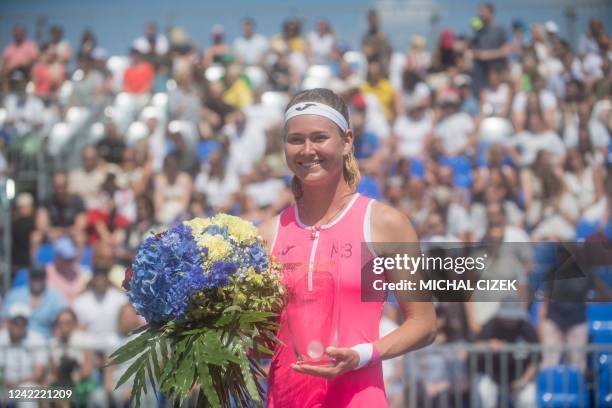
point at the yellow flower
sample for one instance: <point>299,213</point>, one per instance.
<point>198,225</point>
<point>240,229</point>
<point>218,248</point>
<point>254,277</point>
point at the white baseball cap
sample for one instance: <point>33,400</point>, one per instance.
<point>19,310</point>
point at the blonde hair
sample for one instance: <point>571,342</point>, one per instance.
<point>350,168</point>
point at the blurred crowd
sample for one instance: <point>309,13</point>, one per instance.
<point>499,134</point>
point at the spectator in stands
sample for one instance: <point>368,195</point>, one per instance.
<point>540,99</point>
<point>374,44</point>
<point>413,129</point>
<point>43,303</point>
<point>377,84</point>
<point>218,182</point>
<point>491,47</point>
<point>62,214</point>
<point>98,308</point>
<point>445,57</point>
<point>23,356</point>
<point>48,74</point>
<point>238,93</point>
<point>321,43</point>
<point>17,59</point>
<point>138,76</point>
<point>418,59</point>
<point>392,369</point>
<point>142,228</point>
<point>496,96</point>
<point>219,51</point>
<point>172,191</point>
<point>536,137</point>
<point>189,162</point>
<point>153,44</point>
<point>70,362</point>
<point>111,146</point>
<point>87,45</point>
<point>251,47</point>
<point>59,44</point>
<point>107,221</point>
<point>87,180</point>
<point>291,38</point>
<point>510,325</point>
<point>64,274</point>
<point>585,181</point>
<point>214,110</point>
<point>438,374</point>
<point>127,321</point>
<point>90,90</point>
<point>453,128</point>
<point>184,101</point>
<point>283,76</point>
<point>413,91</point>
<point>24,112</point>
<point>131,176</point>
<point>23,225</point>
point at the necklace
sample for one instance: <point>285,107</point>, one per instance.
<point>315,229</point>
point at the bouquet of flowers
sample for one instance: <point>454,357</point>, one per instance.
<point>210,295</point>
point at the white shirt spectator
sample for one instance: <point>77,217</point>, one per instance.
<point>496,99</point>
<point>454,131</point>
<point>375,122</point>
<point>24,113</point>
<point>265,192</point>
<point>250,50</point>
<point>245,147</point>
<point>78,343</point>
<point>411,133</point>
<point>547,101</point>
<point>218,192</point>
<point>162,46</point>
<point>20,360</point>
<point>420,93</point>
<point>530,144</point>
<point>597,131</point>
<point>99,315</point>
<point>320,46</point>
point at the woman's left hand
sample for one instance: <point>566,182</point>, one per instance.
<point>344,360</point>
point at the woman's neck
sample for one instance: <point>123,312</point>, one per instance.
<point>320,205</point>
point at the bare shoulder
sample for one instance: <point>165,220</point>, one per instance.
<point>267,230</point>
<point>390,225</point>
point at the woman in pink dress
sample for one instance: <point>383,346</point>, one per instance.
<point>327,225</point>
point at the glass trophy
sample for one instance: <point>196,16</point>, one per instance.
<point>311,307</point>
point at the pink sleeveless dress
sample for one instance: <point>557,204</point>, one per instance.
<point>297,247</point>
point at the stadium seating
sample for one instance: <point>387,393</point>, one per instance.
<point>562,386</point>
<point>599,317</point>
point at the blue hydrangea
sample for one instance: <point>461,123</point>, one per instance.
<point>166,270</point>
<point>258,257</point>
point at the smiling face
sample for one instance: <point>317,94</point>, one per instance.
<point>314,149</point>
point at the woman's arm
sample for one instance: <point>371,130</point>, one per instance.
<point>390,227</point>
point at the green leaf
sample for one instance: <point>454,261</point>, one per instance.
<point>207,384</point>
<point>254,316</point>
<point>232,308</point>
<point>130,350</point>
<point>155,360</point>
<point>247,375</point>
<point>148,364</point>
<point>137,365</point>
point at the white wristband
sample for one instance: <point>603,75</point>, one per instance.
<point>365,351</point>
